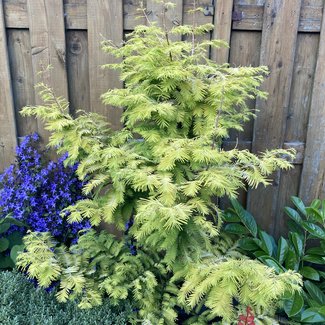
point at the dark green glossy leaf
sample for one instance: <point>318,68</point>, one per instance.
<point>4,227</point>
<point>313,229</point>
<point>15,238</point>
<point>295,227</point>
<point>6,262</point>
<point>246,218</point>
<point>311,315</point>
<point>267,243</point>
<point>282,250</point>
<point>231,216</point>
<point>293,306</point>
<point>292,260</point>
<point>310,273</point>
<point>4,244</point>
<point>316,251</point>
<point>248,244</point>
<point>315,215</point>
<point>13,221</point>
<point>271,262</point>
<point>293,214</point>
<point>259,253</point>
<point>314,259</point>
<point>315,292</point>
<point>297,243</point>
<point>235,228</point>
<point>299,204</point>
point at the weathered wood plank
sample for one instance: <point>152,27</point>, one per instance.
<point>245,50</point>
<point>77,69</point>
<point>104,21</point>
<point>297,119</point>
<point>222,29</point>
<point>47,37</point>
<point>302,86</point>
<point>8,139</point>
<point>75,12</point>
<point>248,14</point>
<point>78,72</point>
<point>278,53</point>
<point>16,15</point>
<point>313,173</point>
<point>22,78</point>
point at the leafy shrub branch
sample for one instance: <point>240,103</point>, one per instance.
<point>159,175</point>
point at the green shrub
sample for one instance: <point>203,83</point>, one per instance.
<point>23,304</point>
<point>303,251</point>
<point>163,186</point>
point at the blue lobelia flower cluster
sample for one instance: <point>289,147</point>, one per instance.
<point>36,190</point>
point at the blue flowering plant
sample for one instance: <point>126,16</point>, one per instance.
<point>35,190</point>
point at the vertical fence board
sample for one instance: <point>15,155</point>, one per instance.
<point>47,37</point>
<point>8,138</point>
<point>77,68</point>
<point>277,52</point>
<point>296,130</point>
<point>313,173</point>
<point>22,78</point>
<point>244,51</point>
<point>222,29</point>
<point>105,21</point>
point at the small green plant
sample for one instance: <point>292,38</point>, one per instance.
<point>299,252</point>
<point>159,175</point>
<point>10,242</point>
<point>21,303</point>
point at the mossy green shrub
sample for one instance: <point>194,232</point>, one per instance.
<point>23,304</point>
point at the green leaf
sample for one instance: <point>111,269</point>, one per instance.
<point>13,221</point>
<point>315,292</point>
<point>271,262</point>
<point>313,229</point>
<point>297,243</point>
<point>295,227</point>
<point>15,238</point>
<point>235,228</point>
<point>293,214</point>
<point>315,215</point>
<point>4,227</point>
<point>15,251</point>
<point>248,244</point>
<point>267,244</point>
<point>6,262</point>
<point>4,244</point>
<point>231,216</point>
<point>316,251</point>
<point>311,315</point>
<point>292,260</point>
<point>299,204</point>
<point>282,250</point>
<point>314,259</point>
<point>310,273</point>
<point>293,306</point>
<point>246,218</point>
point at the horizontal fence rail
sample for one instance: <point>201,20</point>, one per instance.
<point>287,36</point>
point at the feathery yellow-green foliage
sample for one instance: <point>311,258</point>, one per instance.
<point>162,171</point>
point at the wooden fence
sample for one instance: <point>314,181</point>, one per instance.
<point>286,35</point>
